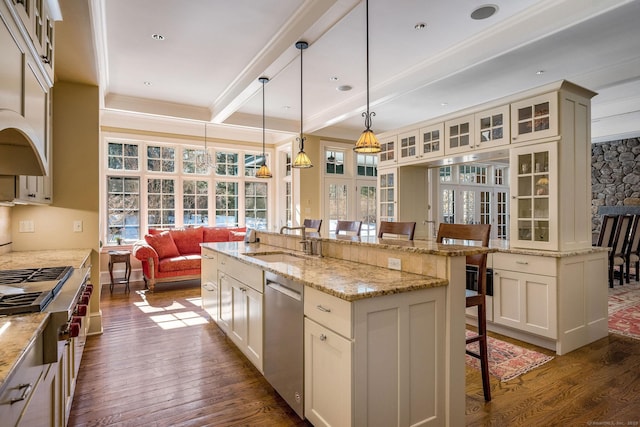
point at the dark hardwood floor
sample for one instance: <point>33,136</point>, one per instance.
<point>160,362</point>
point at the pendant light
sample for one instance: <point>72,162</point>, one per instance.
<point>264,171</point>
<point>204,160</point>
<point>302,161</point>
<point>367,143</point>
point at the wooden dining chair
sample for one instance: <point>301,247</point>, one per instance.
<point>633,250</point>
<point>607,230</point>
<point>397,229</point>
<point>617,255</point>
<point>349,227</point>
<point>312,224</point>
<point>478,233</point>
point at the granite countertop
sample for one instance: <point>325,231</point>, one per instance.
<point>46,258</point>
<point>18,331</point>
<point>347,280</point>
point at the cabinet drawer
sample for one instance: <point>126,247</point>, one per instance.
<point>245,273</point>
<point>544,266</point>
<point>329,311</point>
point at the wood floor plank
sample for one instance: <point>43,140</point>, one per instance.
<point>138,373</point>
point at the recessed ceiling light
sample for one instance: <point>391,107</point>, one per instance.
<point>540,72</point>
<point>148,83</point>
<point>484,12</point>
<point>286,107</point>
<point>444,104</point>
<point>159,37</point>
<point>420,26</point>
<point>333,79</point>
<point>344,88</point>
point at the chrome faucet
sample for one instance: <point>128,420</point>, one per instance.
<point>306,244</point>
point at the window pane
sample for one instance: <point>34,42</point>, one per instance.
<point>226,203</point>
<point>123,214</point>
<point>255,195</point>
<point>226,164</point>
<point>122,156</point>
<point>161,198</point>
<point>195,204</point>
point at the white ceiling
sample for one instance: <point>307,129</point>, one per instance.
<point>213,52</point>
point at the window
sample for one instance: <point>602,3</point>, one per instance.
<point>195,205</point>
<point>288,203</point>
<point>123,157</point>
<point>252,163</point>
<point>161,203</point>
<point>123,208</point>
<point>161,159</point>
<point>334,162</point>
<point>190,163</point>
<point>227,203</point>
<point>445,174</point>
<point>226,164</point>
<point>387,197</point>
<point>367,165</point>
<point>255,199</point>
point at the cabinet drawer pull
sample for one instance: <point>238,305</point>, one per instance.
<point>323,337</point>
<point>321,308</point>
<point>27,389</point>
<point>522,262</point>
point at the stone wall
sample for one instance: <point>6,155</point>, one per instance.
<point>615,175</point>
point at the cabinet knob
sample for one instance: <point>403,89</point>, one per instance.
<point>321,308</point>
<point>323,337</point>
<point>522,262</point>
<point>45,59</point>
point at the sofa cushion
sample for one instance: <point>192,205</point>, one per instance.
<point>179,263</point>
<point>237,234</point>
<point>163,244</point>
<point>216,234</point>
<point>188,240</point>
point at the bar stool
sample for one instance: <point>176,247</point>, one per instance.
<point>116,257</point>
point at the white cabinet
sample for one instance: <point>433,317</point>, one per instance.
<point>328,358</point>
<point>534,196</point>
<point>209,282</point>
<point>525,293</point>
<point>242,306</point>
<point>421,144</point>
<point>535,118</point>
<point>387,191</point>
<point>459,135</point>
<point>492,127</point>
<point>408,146</point>
<point>387,156</point>
<point>328,380</point>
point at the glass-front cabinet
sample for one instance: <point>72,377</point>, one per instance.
<point>388,151</point>
<point>387,188</point>
<point>534,196</point>
<point>535,118</point>
<point>431,138</point>
<point>409,147</point>
<point>459,135</point>
<point>492,127</point>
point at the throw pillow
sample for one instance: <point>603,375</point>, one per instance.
<point>188,240</point>
<point>163,244</point>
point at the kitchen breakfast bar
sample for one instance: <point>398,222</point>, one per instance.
<point>397,337</point>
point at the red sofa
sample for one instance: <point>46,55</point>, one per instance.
<point>173,255</point>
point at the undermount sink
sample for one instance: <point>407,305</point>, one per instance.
<point>277,257</point>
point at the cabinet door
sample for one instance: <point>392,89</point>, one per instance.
<point>388,152</point>
<point>42,407</point>
<point>209,277</point>
<point>226,300</point>
<point>408,147</point>
<point>535,118</point>
<point>254,332</point>
<point>492,127</point>
<point>526,302</point>
<point>534,193</point>
<point>431,140</point>
<point>12,63</point>
<point>238,313</point>
<point>327,375</point>
<point>459,135</point>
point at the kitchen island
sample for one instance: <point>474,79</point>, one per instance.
<point>397,336</point>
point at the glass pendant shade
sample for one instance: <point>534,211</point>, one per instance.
<point>264,172</point>
<point>302,161</point>
<point>367,143</point>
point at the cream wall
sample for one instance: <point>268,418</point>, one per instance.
<point>75,183</point>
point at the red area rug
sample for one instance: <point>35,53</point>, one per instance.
<point>624,310</point>
<point>507,361</point>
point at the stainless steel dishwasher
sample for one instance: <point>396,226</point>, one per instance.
<point>284,339</point>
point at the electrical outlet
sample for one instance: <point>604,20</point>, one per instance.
<point>27,226</point>
<point>77,226</point>
<point>394,263</point>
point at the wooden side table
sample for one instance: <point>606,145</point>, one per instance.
<point>115,257</point>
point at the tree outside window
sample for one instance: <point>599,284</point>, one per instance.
<point>123,205</point>
<point>161,203</point>
<point>226,203</point>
